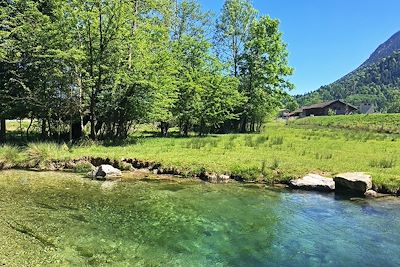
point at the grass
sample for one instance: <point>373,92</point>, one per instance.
<point>278,154</point>
<point>9,155</point>
<point>381,123</point>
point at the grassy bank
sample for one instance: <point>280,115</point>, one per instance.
<point>280,153</point>
<point>382,123</point>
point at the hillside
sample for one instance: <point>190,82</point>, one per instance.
<point>376,81</point>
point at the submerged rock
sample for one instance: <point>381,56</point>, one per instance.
<point>356,182</point>
<point>106,172</point>
<point>314,182</point>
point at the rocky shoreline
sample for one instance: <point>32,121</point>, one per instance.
<point>313,182</point>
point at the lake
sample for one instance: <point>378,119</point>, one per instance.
<point>62,219</point>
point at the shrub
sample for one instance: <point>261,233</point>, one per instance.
<point>9,154</point>
<point>263,167</point>
<point>323,156</point>
<point>229,145</point>
<point>383,163</point>
<point>278,140</point>
<point>196,143</point>
<point>83,167</point>
<point>261,139</point>
<point>248,141</point>
<point>249,174</point>
<point>40,154</point>
<point>275,164</point>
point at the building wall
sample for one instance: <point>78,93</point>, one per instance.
<point>338,107</point>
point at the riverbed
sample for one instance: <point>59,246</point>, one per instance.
<point>63,219</point>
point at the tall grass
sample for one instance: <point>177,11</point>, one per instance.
<point>281,151</point>
<point>10,155</point>
<point>383,163</point>
<point>41,154</point>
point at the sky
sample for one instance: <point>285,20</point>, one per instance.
<point>327,38</point>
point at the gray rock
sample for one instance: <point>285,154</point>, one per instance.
<point>357,182</point>
<point>313,182</point>
<point>106,172</point>
<point>371,194</point>
<point>215,178</point>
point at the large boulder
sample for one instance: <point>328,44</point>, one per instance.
<point>105,172</point>
<point>313,182</point>
<point>353,182</point>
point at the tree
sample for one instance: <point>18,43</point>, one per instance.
<point>263,72</point>
<point>219,100</point>
<point>232,31</point>
<point>118,63</point>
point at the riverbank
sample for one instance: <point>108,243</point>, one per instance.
<point>278,154</point>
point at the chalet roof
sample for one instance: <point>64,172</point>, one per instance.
<point>319,105</point>
<point>325,104</point>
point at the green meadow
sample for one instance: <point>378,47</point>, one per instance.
<point>277,154</point>
<point>383,123</point>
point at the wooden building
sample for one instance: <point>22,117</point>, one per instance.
<point>337,107</point>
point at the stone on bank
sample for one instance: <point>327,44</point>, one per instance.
<point>355,182</point>
<point>314,182</point>
<point>105,172</point>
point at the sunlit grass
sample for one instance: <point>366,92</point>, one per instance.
<point>279,153</point>
<point>381,123</point>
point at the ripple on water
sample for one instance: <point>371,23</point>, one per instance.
<point>193,224</point>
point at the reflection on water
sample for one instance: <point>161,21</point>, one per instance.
<point>59,219</point>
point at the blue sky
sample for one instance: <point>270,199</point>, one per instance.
<point>327,38</point>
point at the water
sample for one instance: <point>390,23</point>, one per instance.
<point>58,219</point>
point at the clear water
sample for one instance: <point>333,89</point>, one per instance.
<point>53,219</point>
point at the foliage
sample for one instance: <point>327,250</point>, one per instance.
<point>263,71</point>
<point>41,154</point>
<point>83,167</point>
<point>105,66</point>
<point>9,155</point>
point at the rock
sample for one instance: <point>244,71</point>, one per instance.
<point>215,178</point>
<point>314,182</point>
<point>106,172</point>
<point>355,182</point>
<point>371,194</point>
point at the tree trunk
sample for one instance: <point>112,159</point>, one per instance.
<point>2,130</point>
<point>244,124</point>
<point>92,118</point>
<point>44,133</point>
<point>29,127</point>
<point>185,129</point>
<point>164,126</point>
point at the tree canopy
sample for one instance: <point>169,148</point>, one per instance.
<point>105,66</point>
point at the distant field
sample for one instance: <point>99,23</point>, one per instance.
<point>280,153</point>
<point>382,123</point>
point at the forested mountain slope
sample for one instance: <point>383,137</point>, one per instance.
<point>376,81</point>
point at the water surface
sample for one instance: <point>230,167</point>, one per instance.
<point>59,219</point>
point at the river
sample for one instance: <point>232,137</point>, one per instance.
<point>61,219</point>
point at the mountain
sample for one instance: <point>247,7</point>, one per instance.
<point>376,81</point>
<point>384,50</point>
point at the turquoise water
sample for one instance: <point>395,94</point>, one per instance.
<point>53,219</point>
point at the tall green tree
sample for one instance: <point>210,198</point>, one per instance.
<point>264,72</point>
<point>232,30</point>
